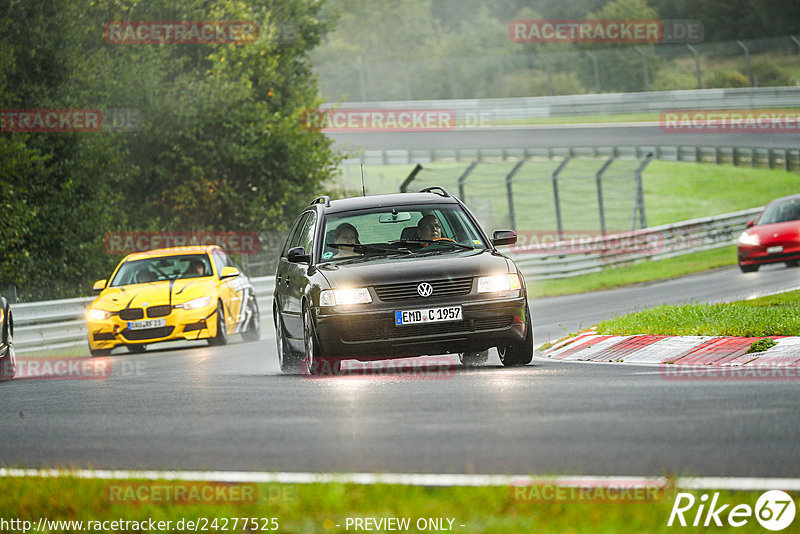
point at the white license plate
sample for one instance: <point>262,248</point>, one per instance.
<point>146,323</point>
<point>774,250</point>
<point>427,315</point>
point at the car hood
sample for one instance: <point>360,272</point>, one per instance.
<point>776,231</point>
<point>414,268</point>
<point>154,293</point>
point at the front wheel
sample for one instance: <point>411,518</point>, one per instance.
<point>137,349</point>
<point>252,331</point>
<point>99,352</point>
<point>748,268</point>
<point>519,353</point>
<point>221,337</point>
<point>8,362</point>
<point>315,363</point>
<point>793,263</point>
<point>288,359</point>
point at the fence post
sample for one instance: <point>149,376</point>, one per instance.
<point>640,194</point>
<point>697,72</point>
<point>463,178</point>
<point>599,179</point>
<point>408,80</point>
<point>596,71</point>
<point>509,179</point>
<point>453,89</point>
<point>747,62</point>
<point>362,82</point>
<point>795,41</point>
<point>410,178</point>
<point>556,198</point>
<point>646,68</point>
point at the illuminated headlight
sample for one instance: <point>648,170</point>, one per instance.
<point>97,315</point>
<point>749,239</point>
<point>195,304</point>
<point>342,297</point>
<point>503,282</point>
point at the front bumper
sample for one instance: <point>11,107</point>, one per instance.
<point>371,334</point>
<point>759,255</point>
<point>180,324</point>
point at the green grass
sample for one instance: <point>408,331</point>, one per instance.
<point>768,316</point>
<point>312,508</point>
<point>646,271</point>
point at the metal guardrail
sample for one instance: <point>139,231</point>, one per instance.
<point>575,257</point>
<point>58,324</point>
<point>490,111</point>
<point>773,158</point>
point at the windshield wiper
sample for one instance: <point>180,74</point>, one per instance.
<point>438,242</point>
<point>364,247</point>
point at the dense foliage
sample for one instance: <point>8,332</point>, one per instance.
<point>217,142</point>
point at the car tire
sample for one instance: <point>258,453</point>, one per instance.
<point>221,337</point>
<point>136,349</point>
<point>8,360</point>
<point>288,360</point>
<point>793,263</point>
<point>521,353</point>
<point>314,362</point>
<point>252,331</point>
<point>99,352</point>
<point>748,268</point>
<point>473,359</point>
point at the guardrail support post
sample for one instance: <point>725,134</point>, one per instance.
<point>599,180</point>
<point>697,72</point>
<point>510,193</point>
<point>556,198</point>
<point>747,62</point>
<point>463,178</point>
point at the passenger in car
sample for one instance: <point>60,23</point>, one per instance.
<point>345,233</point>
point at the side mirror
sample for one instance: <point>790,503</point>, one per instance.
<point>750,224</point>
<point>229,272</point>
<point>298,255</point>
<point>504,237</point>
<point>99,285</point>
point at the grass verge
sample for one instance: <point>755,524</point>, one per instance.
<point>310,508</point>
<point>776,315</point>
<point>646,271</point>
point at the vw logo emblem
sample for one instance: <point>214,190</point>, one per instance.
<point>425,289</point>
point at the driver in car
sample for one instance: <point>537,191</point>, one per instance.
<point>429,229</point>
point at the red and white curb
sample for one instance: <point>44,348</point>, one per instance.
<point>589,346</point>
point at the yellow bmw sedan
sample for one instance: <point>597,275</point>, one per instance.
<point>170,294</point>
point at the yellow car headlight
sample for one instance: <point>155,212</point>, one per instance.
<point>343,297</point>
<point>195,304</point>
<point>93,314</point>
<point>502,282</point>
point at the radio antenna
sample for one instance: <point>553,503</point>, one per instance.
<point>363,184</point>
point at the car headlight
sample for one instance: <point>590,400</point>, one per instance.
<point>94,314</point>
<point>343,297</point>
<point>502,282</point>
<point>195,304</point>
<point>749,239</point>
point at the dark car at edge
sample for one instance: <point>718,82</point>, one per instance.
<point>381,290</point>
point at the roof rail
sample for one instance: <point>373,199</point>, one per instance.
<point>324,199</point>
<point>434,189</point>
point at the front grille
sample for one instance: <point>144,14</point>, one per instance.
<point>104,336</point>
<point>408,290</point>
<point>147,333</point>
<point>159,311</point>
<point>429,329</point>
<point>131,314</point>
<point>493,323</point>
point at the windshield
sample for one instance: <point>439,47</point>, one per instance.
<point>401,229</point>
<point>787,210</point>
<point>164,268</point>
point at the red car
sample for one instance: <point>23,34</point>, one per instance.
<point>773,237</point>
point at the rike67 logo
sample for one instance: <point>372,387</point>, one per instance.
<point>774,510</point>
